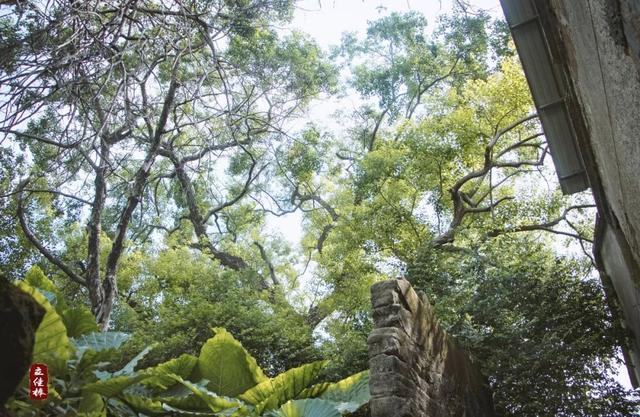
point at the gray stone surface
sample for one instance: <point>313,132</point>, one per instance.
<point>606,79</point>
<point>416,368</point>
<point>598,47</point>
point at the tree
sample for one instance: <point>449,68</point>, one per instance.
<point>174,298</point>
<point>437,157</point>
<point>449,192</point>
<point>130,109</point>
<point>537,323</point>
<point>152,140</point>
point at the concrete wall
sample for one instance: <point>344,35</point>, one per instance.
<point>416,368</point>
<point>604,71</point>
<point>597,44</point>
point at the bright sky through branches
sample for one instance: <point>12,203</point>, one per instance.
<point>326,21</point>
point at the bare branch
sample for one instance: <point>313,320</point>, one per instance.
<point>51,257</point>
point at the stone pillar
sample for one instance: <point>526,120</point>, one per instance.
<point>416,368</point>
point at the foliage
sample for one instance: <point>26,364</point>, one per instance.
<point>180,294</point>
<point>537,323</point>
<point>445,183</point>
<point>223,380</point>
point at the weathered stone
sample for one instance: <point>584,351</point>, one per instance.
<point>390,341</point>
<point>394,406</point>
<point>20,316</point>
<point>393,315</point>
<point>383,294</point>
<point>416,368</point>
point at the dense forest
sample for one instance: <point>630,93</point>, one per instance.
<point>148,148</point>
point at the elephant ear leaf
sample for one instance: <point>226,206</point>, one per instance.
<point>228,367</point>
<point>101,340</point>
<point>181,366</point>
<point>112,387</point>
<point>287,386</point>
<point>128,369</point>
<point>37,279</point>
<point>78,321</point>
<point>349,394</point>
<point>310,407</point>
<point>216,403</point>
<point>52,346</point>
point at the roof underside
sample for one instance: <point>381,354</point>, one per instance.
<point>548,89</point>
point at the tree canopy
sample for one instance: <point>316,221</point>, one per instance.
<point>147,147</point>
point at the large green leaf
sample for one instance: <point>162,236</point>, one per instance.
<point>98,341</point>
<point>187,403</point>
<point>114,386</point>
<point>310,407</point>
<point>92,403</point>
<point>128,369</point>
<point>228,367</point>
<point>90,359</point>
<point>37,279</point>
<point>78,321</point>
<point>350,393</point>
<point>182,366</point>
<point>214,402</point>
<point>145,405</point>
<point>272,393</point>
<point>52,346</point>
<point>180,412</point>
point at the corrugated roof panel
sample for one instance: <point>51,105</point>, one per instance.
<point>568,163</point>
<point>548,93</point>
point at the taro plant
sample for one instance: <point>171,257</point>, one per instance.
<point>224,380</point>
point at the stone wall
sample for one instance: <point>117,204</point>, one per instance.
<point>416,368</point>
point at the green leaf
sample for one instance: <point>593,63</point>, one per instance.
<point>52,346</point>
<point>90,358</point>
<point>93,414</point>
<point>313,407</point>
<point>214,402</point>
<point>350,393</point>
<point>182,366</point>
<point>79,321</point>
<point>181,412</point>
<point>189,403</point>
<point>128,369</point>
<point>113,386</point>
<point>228,367</point>
<point>143,404</point>
<point>37,279</point>
<point>92,403</point>
<point>347,395</point>
<point>100,341</point>
<point>272,393</point>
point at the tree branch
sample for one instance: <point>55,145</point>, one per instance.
<point>36,242</point>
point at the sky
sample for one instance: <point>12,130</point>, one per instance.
<point>325,21</point>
